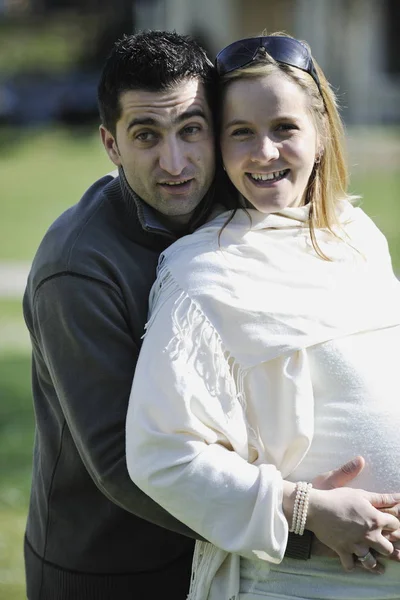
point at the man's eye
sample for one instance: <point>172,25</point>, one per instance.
<point>191,130</point>
<point>146,136</point>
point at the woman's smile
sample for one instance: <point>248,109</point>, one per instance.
<point>267,179</point>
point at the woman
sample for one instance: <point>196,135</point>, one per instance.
<point>271,352</point>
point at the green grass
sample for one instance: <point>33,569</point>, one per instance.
<point>16,421</point>
<point>14,336</point>
<point>380,199</point>
<point>12,524</point>
<point>10,309</point>
<point>42,174</point>
<point>16,438</point>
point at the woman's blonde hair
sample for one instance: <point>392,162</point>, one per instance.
<point>328,182</point>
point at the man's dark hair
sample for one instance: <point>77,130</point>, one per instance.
<point>152,61</point>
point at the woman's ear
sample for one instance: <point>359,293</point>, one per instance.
<point>319,155</point>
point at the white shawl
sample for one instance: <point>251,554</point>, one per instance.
<point>266,293</point>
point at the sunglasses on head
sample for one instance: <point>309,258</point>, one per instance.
<point>286,50</point>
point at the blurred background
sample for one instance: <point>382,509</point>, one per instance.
<point>51,53</point>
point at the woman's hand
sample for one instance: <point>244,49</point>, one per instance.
<point>350,520</point>
<point>340,476</point>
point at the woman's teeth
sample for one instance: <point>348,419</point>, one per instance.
<point>268,176</point>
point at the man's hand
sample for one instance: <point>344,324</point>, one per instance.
<point>328,481</point>
<point>341,476</point>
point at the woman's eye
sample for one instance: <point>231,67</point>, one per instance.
<point>241,132</point>
<point>286,127</point>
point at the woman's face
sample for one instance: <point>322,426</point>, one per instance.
<point>268,141</point>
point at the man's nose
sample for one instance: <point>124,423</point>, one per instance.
<point>266,150</point>
<point>172,157</point>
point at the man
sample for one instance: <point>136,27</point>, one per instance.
<point>91,534</point>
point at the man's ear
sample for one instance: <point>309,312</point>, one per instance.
<point>110,145</point>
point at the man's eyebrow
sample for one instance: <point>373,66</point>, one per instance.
<point>190,114</point>
<point>141,121</point>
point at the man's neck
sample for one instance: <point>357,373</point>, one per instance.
<point>177,223</point>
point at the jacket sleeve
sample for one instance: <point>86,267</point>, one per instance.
<point>81,329</point>
<point>187,442</point>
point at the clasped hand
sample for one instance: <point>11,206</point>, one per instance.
<point>352,522</point>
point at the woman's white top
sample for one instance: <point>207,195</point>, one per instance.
<point>263,362</point>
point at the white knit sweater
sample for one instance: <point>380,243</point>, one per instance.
<point>228,383</point>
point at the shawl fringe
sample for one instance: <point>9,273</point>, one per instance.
<point>193,330</point>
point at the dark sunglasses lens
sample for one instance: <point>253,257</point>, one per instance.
<point>237,55</point>
<point>287,50</point>
<point>282,49</point>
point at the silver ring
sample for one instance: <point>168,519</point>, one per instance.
<point>367,556</point>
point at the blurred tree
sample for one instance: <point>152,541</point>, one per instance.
<point>79,5</point>
<point>113,24</point>
<point>102,22</point>
<point>392,37</point>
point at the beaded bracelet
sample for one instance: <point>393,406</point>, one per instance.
<point>300,508</point>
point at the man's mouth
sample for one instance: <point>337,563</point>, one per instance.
<point>177,183</point>
<point>177,187</point>
<point>262,178</point>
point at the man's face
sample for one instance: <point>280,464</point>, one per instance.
<point>164,142</point>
